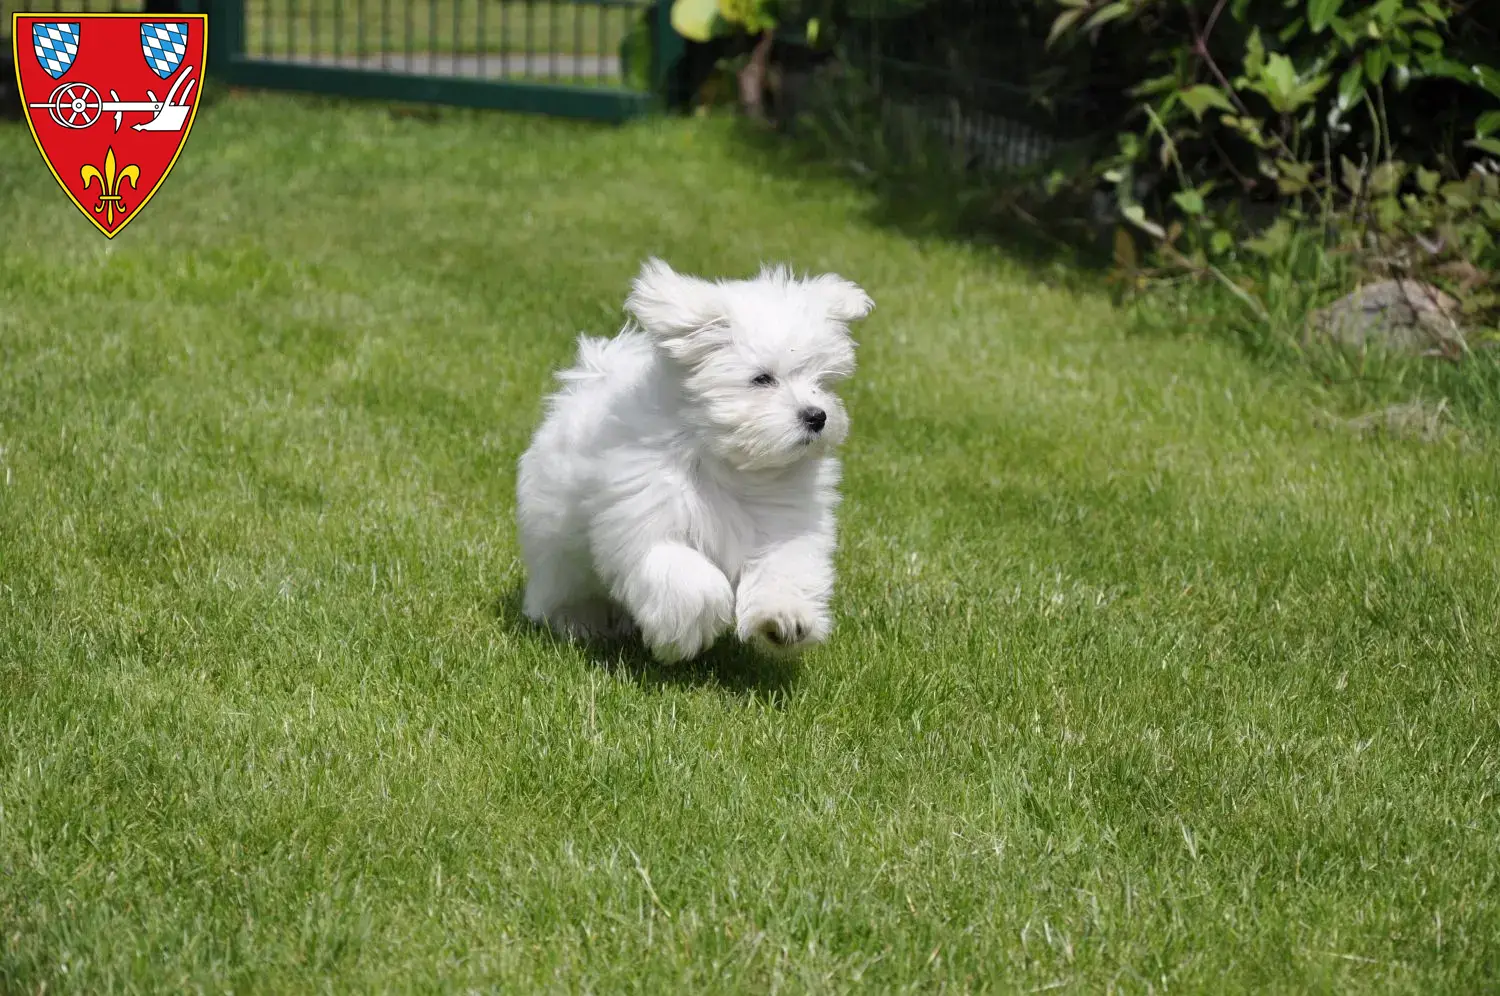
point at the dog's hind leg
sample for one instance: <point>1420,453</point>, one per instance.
<point>567,599</point>
<point>586,621</point>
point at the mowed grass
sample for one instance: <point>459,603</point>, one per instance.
<point>1143,680</point>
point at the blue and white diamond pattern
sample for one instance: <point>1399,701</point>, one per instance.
<point>164,45</point>
<point>56,45</point>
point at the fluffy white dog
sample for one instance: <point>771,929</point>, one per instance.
<point>684,478</point>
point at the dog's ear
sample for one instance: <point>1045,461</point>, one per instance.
<point>842,300</point>
<point>684,315</point>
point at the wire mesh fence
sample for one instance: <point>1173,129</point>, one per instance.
<point>969,71</point>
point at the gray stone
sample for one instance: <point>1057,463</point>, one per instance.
<point>1403,316</point>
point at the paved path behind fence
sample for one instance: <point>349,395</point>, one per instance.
<point>540,66</point>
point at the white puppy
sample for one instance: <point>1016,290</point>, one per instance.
<point>684,478</point>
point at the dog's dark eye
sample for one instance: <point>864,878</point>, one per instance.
<point>764,380</point>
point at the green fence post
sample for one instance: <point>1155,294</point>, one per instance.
<point>226,35</point>
<point>666,54</point>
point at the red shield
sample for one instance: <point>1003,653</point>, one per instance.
<point>110,99</point>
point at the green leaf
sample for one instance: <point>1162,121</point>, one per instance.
<point>1255,54</point>
<point>1203,96</point>
<point>1291,31</point>
<point>1320,12</point>
<point>1247,127</point>
<point>1073,3</point>
<point>1221,242</point>
<point>1292,177</point>
<point>1377,60</point>
<point>1387,211</point>
<point>1428,180</point>
<point>1441,65</point>
<point>1489,78</point>
<point>1273,240</point>
<point>1152,87</point>
<point>1385,178</point>
<point>1190,201</point>
<point>1457,195</point>
<point>696,20</point>
<point>1110,12</point>
<point>1488,124</point>
<point>1351,87</point>
<point>1136,215</point>
<point>1309,89</point>
<point>1428,39</point>
<point>1490,145</point>
<point>1281,87</point>
<point>1280,74</point>
<point>1064,21</point>
<point>1352,175</point>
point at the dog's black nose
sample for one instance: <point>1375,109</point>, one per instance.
<point>814,418</point>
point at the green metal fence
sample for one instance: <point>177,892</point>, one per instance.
<point>968,70</point>
<point>574,58</point>
<point>596,59</point>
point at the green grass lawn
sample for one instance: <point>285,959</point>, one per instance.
<point>1144,680</point>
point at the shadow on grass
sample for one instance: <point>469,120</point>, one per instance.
<point>728,665</point>
<point>1055,241</point>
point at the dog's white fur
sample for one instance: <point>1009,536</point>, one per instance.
<point>671,489</point>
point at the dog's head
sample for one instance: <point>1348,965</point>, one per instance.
<point>759,360</point>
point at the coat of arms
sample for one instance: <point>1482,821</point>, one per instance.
<point>109,152</point>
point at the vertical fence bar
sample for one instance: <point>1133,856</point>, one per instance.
<point>408,40</point>
<point>226,33</point>
<point>530,42</point>
<point>479,45</point>
<point>599,34</point>
<point>312,11</point>
<point>552,39</point>
<point>432,33</point>
<point>505,38</point>
<point>385,34</point>
<point>458,11</point>
<point>291,29</point>
<point>666,52</point>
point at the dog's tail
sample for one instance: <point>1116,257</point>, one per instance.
<point>592,362</point>
<point>601,358</point>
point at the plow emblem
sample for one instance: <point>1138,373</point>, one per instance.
<point>71,85</point>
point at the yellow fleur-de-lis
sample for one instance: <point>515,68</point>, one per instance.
<point>110,203</point>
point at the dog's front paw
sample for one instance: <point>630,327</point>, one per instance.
<point>690,618</point>
<point>790,626</point>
